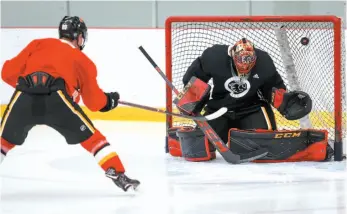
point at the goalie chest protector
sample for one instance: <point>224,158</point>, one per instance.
<point>194,145</point>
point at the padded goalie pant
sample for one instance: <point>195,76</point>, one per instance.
<point>58,111</point>
<point>254,117</point>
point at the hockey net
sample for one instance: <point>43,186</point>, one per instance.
<point>317,68</point>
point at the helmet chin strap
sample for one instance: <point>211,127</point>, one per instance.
<point>83,44</point>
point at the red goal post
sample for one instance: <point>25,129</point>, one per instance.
<point>281,36</point>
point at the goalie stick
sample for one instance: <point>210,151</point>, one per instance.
<point>212,116</point>
<point>221,147</point>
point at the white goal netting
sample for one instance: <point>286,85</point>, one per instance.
<point>312,67</point>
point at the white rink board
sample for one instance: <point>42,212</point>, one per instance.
<point>120,64</point>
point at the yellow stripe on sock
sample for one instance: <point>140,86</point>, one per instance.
<point>108,157</point>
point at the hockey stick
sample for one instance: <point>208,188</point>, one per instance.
<point>228,155</point>
<point>212,116</point>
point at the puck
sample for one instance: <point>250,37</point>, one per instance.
<point>304,41</point>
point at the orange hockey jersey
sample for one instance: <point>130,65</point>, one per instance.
<point>59,59</point>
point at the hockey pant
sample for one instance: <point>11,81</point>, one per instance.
<point>257,117</point>
<point>56,109</point>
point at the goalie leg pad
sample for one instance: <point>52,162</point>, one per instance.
<point>283,146</point>
<point>195,146</point>
<point>193,97</point>
<point>174,143</point>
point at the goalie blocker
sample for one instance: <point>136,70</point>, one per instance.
<point>193,97</point>
<point>283,146</point>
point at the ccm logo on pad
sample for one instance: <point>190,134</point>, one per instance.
<point>288,135</point>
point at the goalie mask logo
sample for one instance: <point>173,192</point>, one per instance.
<point>237,87</point>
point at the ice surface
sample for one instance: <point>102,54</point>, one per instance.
<point>46,176</point>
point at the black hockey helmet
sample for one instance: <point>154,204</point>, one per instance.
<point>72,26</point>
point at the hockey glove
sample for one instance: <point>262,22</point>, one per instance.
<point>292,105</point>
<point>112,101</point>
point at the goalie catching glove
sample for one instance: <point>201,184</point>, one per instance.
<point>194,96</point>
<point>292,105</point>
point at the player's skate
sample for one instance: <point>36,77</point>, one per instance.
<point>121,180</point>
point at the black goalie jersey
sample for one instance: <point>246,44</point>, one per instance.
<point>229,90</point>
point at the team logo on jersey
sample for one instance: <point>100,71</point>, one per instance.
<point>237,87</point>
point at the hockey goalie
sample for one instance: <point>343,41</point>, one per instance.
<point>245,81</point>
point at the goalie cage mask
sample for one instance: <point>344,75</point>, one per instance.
<point>244,56</point>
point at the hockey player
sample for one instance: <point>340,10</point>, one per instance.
<point>245,80</point>
<point>49,76</point>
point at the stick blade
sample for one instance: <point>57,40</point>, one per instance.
<point>217,114</point>
<point>230,157</point>
<point>251,156</point>
<point>244,158</point>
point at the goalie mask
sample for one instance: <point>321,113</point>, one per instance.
<point>244,56</point>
